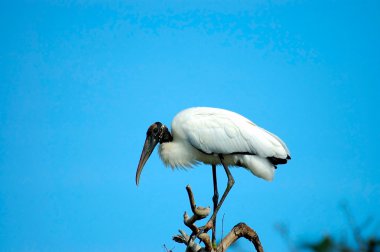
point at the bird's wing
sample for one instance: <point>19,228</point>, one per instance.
<point>216,131</point>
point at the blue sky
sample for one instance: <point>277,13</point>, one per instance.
<point>80,82</point>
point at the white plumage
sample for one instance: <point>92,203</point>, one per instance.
<point>215,136</point>
<point>201,134</point>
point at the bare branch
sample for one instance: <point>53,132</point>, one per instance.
<point>185,239</point>
<point>240,230</point>
<point>201,212</point>
<point>356,230</point>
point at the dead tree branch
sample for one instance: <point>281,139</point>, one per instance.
<point>189,242</point>
<point>238,231</point>
<point>199,212</point>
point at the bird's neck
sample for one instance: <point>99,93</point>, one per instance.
<point>166,137</point>
<point>177,154</point>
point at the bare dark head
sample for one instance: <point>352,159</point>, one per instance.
<point>157,133</point>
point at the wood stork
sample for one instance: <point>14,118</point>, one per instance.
<point>215,136</point>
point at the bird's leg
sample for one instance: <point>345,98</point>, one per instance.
<point>230,183</point>
<point>215,199</point>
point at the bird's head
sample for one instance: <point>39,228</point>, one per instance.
<point>157,133</point>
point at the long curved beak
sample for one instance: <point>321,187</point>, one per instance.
<point>150,143</point>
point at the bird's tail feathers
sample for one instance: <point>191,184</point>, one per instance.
<point>260,167</point>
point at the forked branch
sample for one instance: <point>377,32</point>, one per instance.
<point>238,231</point>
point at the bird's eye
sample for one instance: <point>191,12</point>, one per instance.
<point>155,130</point>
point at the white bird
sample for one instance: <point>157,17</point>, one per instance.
<point>215,136</point>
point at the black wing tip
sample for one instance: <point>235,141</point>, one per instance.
<point>288,157</point>
<point>276,161</point>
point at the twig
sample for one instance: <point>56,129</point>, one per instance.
<point>356,230</point>
<point>221,239</point>
<point>185,239</point>
<point>199,213</point>
<point>168,250</point>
